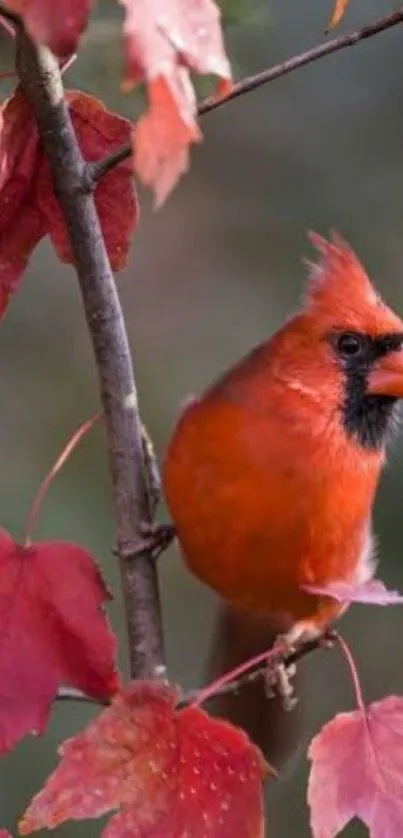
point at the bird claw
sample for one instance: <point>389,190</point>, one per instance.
<point>328,638</point>
<point>156,538</point>
<point>278,683</point>
<point>279,673</point>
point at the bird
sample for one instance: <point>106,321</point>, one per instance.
<point>270,475</point>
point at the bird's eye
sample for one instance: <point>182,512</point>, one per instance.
<point>350,344</point>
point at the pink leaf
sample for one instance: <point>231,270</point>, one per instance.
<point>357,772</point>
<point>162,137</point>
<point>372,592</point>
<point>165,40</point>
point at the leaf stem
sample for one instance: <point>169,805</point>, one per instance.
<point>354,674</point>
<point>45,485</point>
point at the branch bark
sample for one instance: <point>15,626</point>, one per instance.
<point>100,168</point>
<point>326,641</point>
<point>39,74</point>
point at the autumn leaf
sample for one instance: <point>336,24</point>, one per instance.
<point>56,23</point>
<point>165,40</point>
<point>99,132</point>
<point>52,631</point>
<point>162,139</point>
<point>28,206</point>
<point>372,592</point>
<point>21,225</point>
<point>169,772</point>
<point>338,12</point>
<point>357,772</point>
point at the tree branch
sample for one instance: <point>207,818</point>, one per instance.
<point>302,59</point>
<point>98,168</point>
<point>101,167</point>
<point>325,641</point>
<point>40,76</point>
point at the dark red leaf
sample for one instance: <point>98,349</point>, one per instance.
<point>170,773</point>
<point>28,206</point>
<point>21,225</point>
<point>99,133</point>
<point>357,771</point>
<point>52,631</point>
<point>56,23</point>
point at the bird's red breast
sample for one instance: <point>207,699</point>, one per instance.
<point>270,476</point>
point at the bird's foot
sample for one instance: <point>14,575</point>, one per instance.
<point>328,638</point>
<point>155,538</point>
<point>281,667</point>
<point>278,677</point>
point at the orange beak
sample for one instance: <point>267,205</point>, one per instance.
<point>386,379</point>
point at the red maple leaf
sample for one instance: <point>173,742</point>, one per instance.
<point>28,206</point>
<point>165,40</point>
<point>99,132</point>
<point>169,773</point>
<point>57,24</point>
<point>357,771</point>
<point>52,631</point>
<point>21,225</point>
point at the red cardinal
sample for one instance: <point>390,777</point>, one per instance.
<point>270,476</point>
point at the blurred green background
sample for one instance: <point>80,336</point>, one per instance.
<point>210,275</point>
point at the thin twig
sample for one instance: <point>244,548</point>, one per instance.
<point>40,76</point>
<point>304,58</point>
<point>97,169</point>
<point>325,641</point>
<point>101,167</point>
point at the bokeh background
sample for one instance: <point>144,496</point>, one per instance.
<point>209,276</point>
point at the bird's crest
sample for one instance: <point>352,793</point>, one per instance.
<point>339,288</point>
